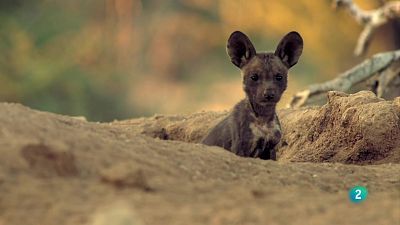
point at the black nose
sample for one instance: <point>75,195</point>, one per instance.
<point>269,96</point>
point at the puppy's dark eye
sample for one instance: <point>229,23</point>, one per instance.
<point>278,77</point>
<point>254,77</point>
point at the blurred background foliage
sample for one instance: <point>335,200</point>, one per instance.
<point>116,59</point>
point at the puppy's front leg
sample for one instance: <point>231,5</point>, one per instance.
<point>269,152</point>
<point>272,153</point>
<point>241,147</point>
<point>236,146</point>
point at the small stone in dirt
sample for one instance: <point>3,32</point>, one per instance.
<point>121,176</point>
<point>116,214</point>
<point>47,161</point>
<point>258,193</point>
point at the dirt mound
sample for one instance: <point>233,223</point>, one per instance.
<point>62,170</point>
<point>356,129</point>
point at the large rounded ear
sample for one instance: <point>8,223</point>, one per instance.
<point>290,48</point>
<point>240,49</point>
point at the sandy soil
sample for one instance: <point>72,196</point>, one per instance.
<point>61,170</point>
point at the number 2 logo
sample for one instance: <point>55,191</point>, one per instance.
<point>358,194</point>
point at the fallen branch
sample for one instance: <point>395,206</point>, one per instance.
<point>387,65</point>
<point>389,82</point>
<point>371,19</point>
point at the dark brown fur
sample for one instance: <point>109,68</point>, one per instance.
<point>252,128</point>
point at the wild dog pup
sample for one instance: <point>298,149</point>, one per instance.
<point>252,128</point>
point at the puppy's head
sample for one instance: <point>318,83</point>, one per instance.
<point>264,74</point>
